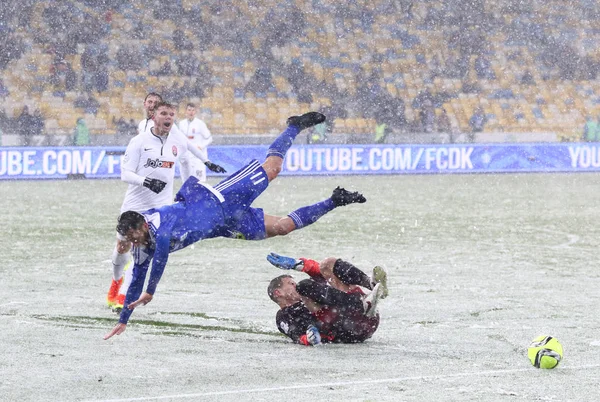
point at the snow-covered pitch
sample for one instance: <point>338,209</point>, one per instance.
<point>478,266</point>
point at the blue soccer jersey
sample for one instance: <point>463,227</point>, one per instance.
<point>200,212</point>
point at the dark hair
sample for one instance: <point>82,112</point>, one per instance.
<point>274,285</point>
<point>190,104</point>
<point>163,104</point>
<point>129,220</point>
<point>153,94</point>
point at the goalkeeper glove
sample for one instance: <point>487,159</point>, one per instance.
<point>154,185</point>
<point>313,336</point>
<point>213,167</point>
<point>283,262</point>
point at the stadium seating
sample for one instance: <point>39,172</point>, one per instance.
<point>407,49</point>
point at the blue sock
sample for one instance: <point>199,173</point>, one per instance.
<point>282,143</point>
<point>310,214</point>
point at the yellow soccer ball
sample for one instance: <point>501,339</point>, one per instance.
<point>545,352</point>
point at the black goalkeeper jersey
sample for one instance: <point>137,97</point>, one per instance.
<point>294,320</point>
<point>335,326</point>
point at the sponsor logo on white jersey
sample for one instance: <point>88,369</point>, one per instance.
<point>157,163</point>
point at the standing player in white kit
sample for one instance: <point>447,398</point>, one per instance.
<point>150,102</point>
<point>149,169</point>
<point>198,133</point>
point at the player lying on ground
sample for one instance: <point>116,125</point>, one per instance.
<point>203,212</point>
<point>330,306</point>
<point>149,169</point>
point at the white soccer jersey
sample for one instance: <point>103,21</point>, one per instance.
<point>148,155</point>
<point>198,133</point>
<point>191,147</point>
<point>145,125</point>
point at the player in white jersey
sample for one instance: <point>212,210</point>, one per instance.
<point>149,168</point>
<point>198,133</point>
<point>120,257</point>
<point>149,103</point>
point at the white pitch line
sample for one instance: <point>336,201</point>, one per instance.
<point>11,303</point>
<point>336,384</point>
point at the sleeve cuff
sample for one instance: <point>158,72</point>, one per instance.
<point>303,340</point>
<point>311,267</point>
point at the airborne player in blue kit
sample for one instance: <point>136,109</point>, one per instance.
<point>203,212</point>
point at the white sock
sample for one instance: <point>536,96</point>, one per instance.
<point>127,280</point>
<point>119,261</point>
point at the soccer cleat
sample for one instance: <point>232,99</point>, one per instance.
<point>306,120</point>
<point>370,301</point>
<point>380,276</point>
<point>119,302</point>
<point>113,293</point>
<point>342,196</point>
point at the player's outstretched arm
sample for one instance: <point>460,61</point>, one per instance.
<point>117,330</point>
<point>135,290</point>
<point>144,299</point>
<point>190,147</point>
<point>159,261</point>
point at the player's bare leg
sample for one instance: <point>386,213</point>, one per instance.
<point>278,225</point>
<point>326,268</point>
<point>273,166</point>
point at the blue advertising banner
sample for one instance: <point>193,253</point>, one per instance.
<point>104,162</point>
<point>60,163</point>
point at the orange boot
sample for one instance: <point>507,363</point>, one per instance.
<point>119,303</point>
<point>113,293</point>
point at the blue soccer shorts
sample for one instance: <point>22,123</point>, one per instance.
<point>240,190</point>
